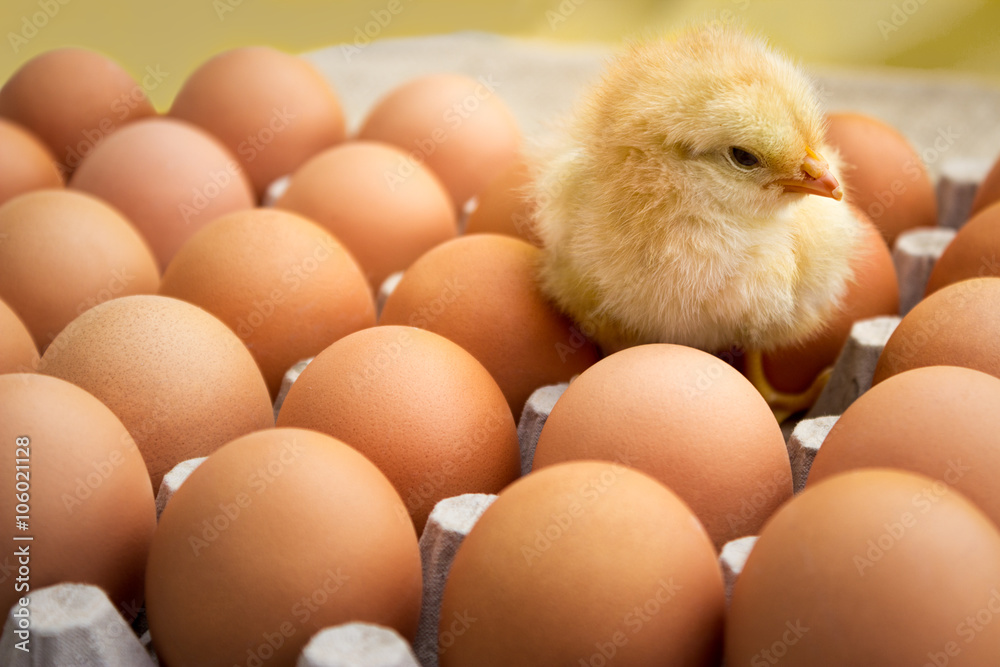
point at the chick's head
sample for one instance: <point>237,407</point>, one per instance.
<point>711,117</point>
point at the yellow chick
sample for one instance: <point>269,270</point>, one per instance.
<point>676,204</point>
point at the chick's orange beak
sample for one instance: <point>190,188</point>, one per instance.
<point>816,178</point>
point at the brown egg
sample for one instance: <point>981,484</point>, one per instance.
<point>882,175</point>
<point>282,283</point>
<point>18,353</point>
<point>958,325</point>
<point>973,253</point>
<point>25,163</point>
<point>276,536</point>
<point>273,110</point>
<point>988,192</point>
<point>456,125</point>
<point>504,206</point>
<point>385,224</point>
<point>871,567</point>
<point>181,381</point>
<point>416,405</point>
<point>688,419</point>
<point>874,291</point>
<point>72,98</point>
<point>64,252</point>
<point>481,292</point>
<point>585,563</point>
<point>72,474</point>
<point>168,177</point>
<point>939,421</point>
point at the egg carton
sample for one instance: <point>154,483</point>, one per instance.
<point>76,624</point>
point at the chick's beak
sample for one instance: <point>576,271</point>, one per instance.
<point>816,178</point>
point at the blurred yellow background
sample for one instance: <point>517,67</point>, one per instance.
<point>175,36</point>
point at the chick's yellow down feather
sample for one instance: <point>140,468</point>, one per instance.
<point>687,200</point>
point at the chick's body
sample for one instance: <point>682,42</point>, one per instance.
<point>674,205</point>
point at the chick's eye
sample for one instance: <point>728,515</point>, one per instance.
<point>743,158</point>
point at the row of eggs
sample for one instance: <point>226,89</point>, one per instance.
<point>244,544</point>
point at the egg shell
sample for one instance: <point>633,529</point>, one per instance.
<point>90,513</point>
<point>481,291</point>
<point>272,110</point>
<point>974,252</point>
<point>17,348</point>
<point>64,252</point>
<point>939,421</point>
<point>178,378</point>
<point>988,191</point>
<point>577,557</point>
<point>456,125</point>
<point>883,174</point>
<point>282,283</point>
<point>168,177</point>
<point>684,417</point>
<point>871,567</point>
<point>418,406</point>
<point>873,291</point>
<point>385,223</point>
<point>279,534</point>
<point>956,326</point>
<point>72,98</point>
<point>25,162</point>
<point>504,207</point>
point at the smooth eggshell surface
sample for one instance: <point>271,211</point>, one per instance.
<point>168,177</point>
<point>181,381</point>
<point>958,325</point>
<point>90,507</point>
<point>684,417</point>
<point>276,536</point>
<point>64,252</point>
<point>73,98</point>
<point>581,559</point>
<point>282,283</point>
<point>883,174</point>
<point>25,162</point>
<point>418,406</point>
<point>939,421</point>
<point>456,125</point>
<point>386,224</point>
<point>272,110</point>
<point>17,348</point>
<point>871,567</point>
<point>973,253</point>
<point>481,291</point>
